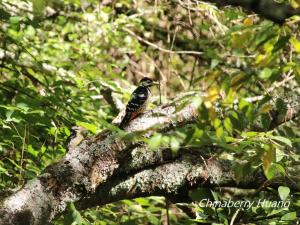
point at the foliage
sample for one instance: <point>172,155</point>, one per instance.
<point>59,59</point>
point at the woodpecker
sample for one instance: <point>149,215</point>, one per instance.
<point>76,136</point>
<point>138,101</point>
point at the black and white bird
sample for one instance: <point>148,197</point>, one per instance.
<point>138,101</point>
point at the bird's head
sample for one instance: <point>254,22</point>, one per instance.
<point>147,82</point>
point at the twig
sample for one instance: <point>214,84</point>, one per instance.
<point>189,12</point>
<point>192,73</point>
<point>107,95</point>
<point>161,76</point>
<point>234,217</point>
<point>188,7</point>
<point>158,47</point>
<point>269,90</point>
<point>159,89</point>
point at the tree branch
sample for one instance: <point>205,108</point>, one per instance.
<point>106,168</point>
<point>173,180</point>
<point>84,168</point>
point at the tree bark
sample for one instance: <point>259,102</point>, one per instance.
<point>108,167</point>
<point>93,162</point>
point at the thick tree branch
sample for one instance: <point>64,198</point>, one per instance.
<point>84,168</point>
<point>107,168</point>
<point>173,179</point>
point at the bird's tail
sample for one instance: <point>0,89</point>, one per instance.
<point>125,121</point>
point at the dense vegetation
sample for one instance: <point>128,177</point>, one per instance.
<point>76,62</point>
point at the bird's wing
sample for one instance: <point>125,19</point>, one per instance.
<point>136,104</point>
<point>138,99</point>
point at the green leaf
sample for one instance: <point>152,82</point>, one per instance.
<point>283,192</point>
<point>88,126</point>
<point>15,19</point>
<point>155,141</point>
<point>265,121</point>
<point>228,125</point>
<point>270,172</point>
<point>175,144</point>
<point>214,63</point>
<point>281,43</point>
<point>295,43</point>
<point>3,170</point>
<point>143,201</point>
<point>265,73</point>
<point>38,7</point>
<point>269,156</point>
<point>279,154</point>
<point>73,217</point>
<point>280,168</point>
<point>282,139</point>
<point>197,101</point>
<point>200,193</point>
<point>276,211</point>
<point>32,151</point>
<point>249,134</point>
<point>289,216</point>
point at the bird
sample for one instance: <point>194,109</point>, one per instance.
<point>138,101</point>
<point>76,136</point>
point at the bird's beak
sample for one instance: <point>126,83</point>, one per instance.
<point>155,83</point>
